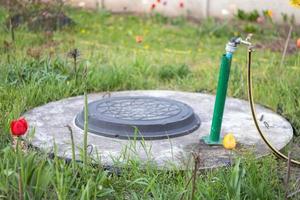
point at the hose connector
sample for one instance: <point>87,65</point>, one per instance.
<point>235,41</point>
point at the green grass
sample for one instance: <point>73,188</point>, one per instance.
<point>176,55</point>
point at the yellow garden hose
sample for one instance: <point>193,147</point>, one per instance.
<point>253,112</point>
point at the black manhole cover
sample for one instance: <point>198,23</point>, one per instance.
<point>139,117</point>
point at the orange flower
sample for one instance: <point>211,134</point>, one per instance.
<point>229,141</point>
<point>139,39</point>
<point>270,13</point>
<point>298,43</point>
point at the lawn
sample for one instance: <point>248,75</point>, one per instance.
<point>174,54</point>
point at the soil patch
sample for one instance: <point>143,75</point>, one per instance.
<point>278,46</point>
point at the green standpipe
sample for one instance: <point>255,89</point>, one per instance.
<point>214,137</point>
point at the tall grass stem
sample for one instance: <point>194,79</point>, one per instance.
<point>85,118</point>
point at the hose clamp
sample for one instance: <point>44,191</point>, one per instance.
<point>230,47</point>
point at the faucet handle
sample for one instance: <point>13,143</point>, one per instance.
<point>249,36</point>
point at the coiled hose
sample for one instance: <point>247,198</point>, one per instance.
<point>253,112</point>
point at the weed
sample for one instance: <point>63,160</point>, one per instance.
<point>234,181</point>
<point>169,72</point>
<point>247,16</point>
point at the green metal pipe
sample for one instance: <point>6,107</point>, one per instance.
<point>214,136</point>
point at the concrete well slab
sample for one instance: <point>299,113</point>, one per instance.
<point>50,120</point>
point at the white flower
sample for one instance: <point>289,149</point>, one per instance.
<point>225,12</point>
<point>81,4</point>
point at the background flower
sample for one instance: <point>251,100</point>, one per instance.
<point>270,13</point>
<point>298,43</point>
<point>295,3</point>
<point>139,39</point>
<point>153,6</point>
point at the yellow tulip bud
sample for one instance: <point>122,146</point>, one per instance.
<point>229,141</point>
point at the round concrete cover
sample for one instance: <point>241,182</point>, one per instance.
<point>141,117</point>
<point>49,122</point>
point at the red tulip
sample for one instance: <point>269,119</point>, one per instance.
<point>158,1</point>
<point>181,4</point>
<point>153,6</point>
<point>18,127</point>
